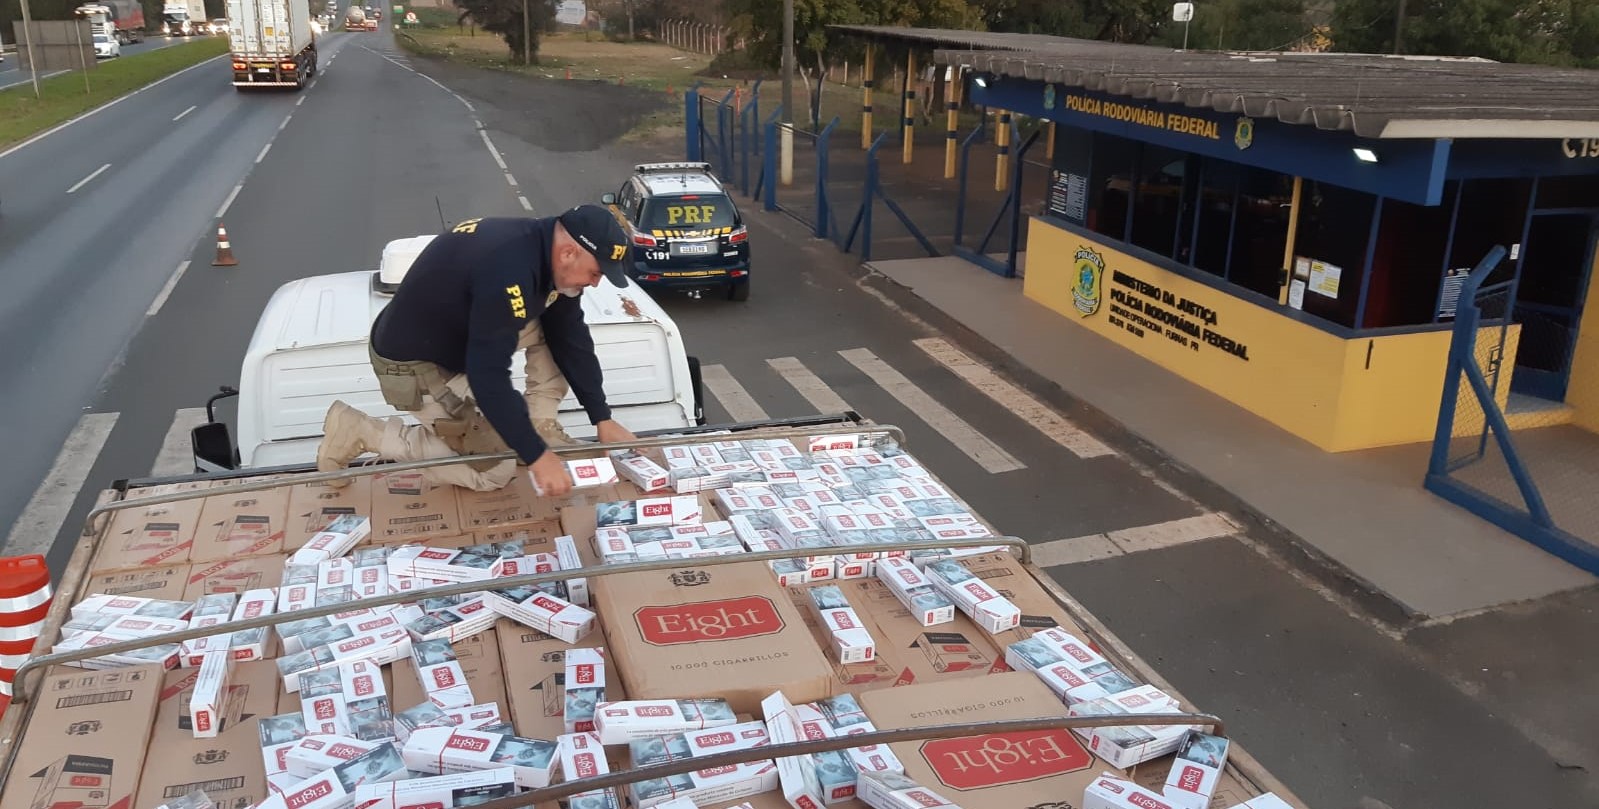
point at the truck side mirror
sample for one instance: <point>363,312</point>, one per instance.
<point>213,448</point>
<point>608,198</point>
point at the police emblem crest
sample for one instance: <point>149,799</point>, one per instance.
<point>1244,133</point>
<point>1090,267</point>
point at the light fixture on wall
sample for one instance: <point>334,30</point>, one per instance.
<point>980,81</point>
<point>1365,155</point>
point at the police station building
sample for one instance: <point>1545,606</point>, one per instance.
<point>1291,231</point>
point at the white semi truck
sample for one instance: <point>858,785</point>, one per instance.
<point>183,18</point>
<point>273,43</point>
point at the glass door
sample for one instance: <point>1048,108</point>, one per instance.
<point>1554,282</point>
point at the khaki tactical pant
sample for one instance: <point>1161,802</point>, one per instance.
<point>450,422</point>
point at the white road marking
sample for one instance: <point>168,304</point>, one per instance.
<point>815,391</point>
<point>286,122</point>
<point>526,206</point>
<point>264,149</point>
<point>1171,533</point>
<point>510,180</point>
<point>299,101</point>
<point>177,453</point>
<point>35,531</point>
<point>498,160</point>
<point>737,401</point>
<point>81,183</point>
<point>161,299</point>
<point>48,132</point>
<point>180,115</point>
<point>1014,399</point>
<point>966,438</point>
<point>229,201</point>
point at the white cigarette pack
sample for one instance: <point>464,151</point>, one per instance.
<point>892,790</point>
<point>205,702</point>
<point>793,524</point>
<point>442,751</point>
<point>166,654</point>
<point>1196,770</point>
<point>1126,745</point>
<point>371,581</point>
<point>278,735</point>
<point>1110,792</point>
<point>650,511</point>
<point>748,500</point>
<point>585,688</point>
<point>130,627</point>
<point>835,444</point>
<point>251,644</point>
<point>475,717</point>
<point>553,616</point>
<point>700,787</point>
<point>382,648</point>
<point>524,565</point>
<point>796,774</point>
<point>1088,663</point>
<point>846,568</point>
<point>320,753</point>
<point>642,472</point>
<point>591,472</point>
<point>985,606</point>
<point>454,623</point>
<point>679,457</point>
<point>451,791</point>
<point>132,605</point>
<point>333,541</point>
<point>846,718</point>
<point>347,700</point>
<point>852,643</point>
<point>423,715</point>
<point>582,756</point>
<point>439,564</point>
<point>622,722</point>
<point>916,592</point>
<point>440,674</point>
<point>577,589</point>
<point>335,788</point>
<point>296,597</point>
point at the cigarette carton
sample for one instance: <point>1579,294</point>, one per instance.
<point>132,605</point>
<point>982,603</point>
<point>796,774</point>
<point>1196,770</point>
<point>337,539</point>
<point>706,786</point>
<point>454,791</point>
<point>425,715</point>
<point>440,674</point>
<point>642,472</point>
<point>892,790</point>
<point>439,564</point>
<point>1110,792</point>
<point>1126,745</point>
<point>852,643</point>
<point>335,788</point>
<point>582,756</point>
<point>654,511</point>
<point>442,751</point>
<point>622,722</point>
<point>372,580</point>
<point>476,717</point>
<point>318,753</point>
<point>549,614</point>
<point>585,688</point>
<point>279,734</point>
<point>524,565</point>
<point>832,445</point>
<point>916,592</point>
<point>205,708</point>
<point>845,717</point>
<point>382,648</point>
<point>742,736</point>
<point>337,700</point>
<point>251,644</point>
<point>129,627</point>
<point>454,623</point>
<point>577,589</point>
<point>1087,662</point>
<point>592,472</point>
<point>166,654</point>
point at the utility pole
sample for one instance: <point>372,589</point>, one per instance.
<point>788,94</point>
<point>527,36</point>
<point>1399,29</point>
<point>27,34</point>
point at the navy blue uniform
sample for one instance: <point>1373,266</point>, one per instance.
<point>464,302</point>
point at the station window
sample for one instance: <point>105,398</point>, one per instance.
<point>1218,187</point>
<point>1158,199</point>
<point>1334,228</point>
<point>1407,266</point>
<point>1260,230</point>
<point>1110,185</point>
<point>1492,212</point>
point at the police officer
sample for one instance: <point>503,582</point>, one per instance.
<point>442,348</point>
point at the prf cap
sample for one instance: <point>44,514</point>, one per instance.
<point>594,227</point>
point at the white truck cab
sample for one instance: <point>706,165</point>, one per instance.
<point>310,348</point>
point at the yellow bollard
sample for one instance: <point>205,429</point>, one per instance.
<point>1002,158</point>
<point>909,109</point>
<point>952,89</point>
<point>866,99</point>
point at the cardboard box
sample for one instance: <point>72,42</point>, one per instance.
<point>313,506</point>
<point>585,688</point>
<point>448,750</point>
<point>984,605</point>
<point>234,576</point>
<point>479,659</point>
<point>335,540</point>
<point>206,704</point>
<point>626,721</point>
<point>226,766</point>
<point>515,504</point>
<point>439,791</point>
<point>151,536</point>
<point>241,524</point>
<point>1196,770</point>
<point>75,749</point>
<point>165,583</point>
<point>535,677</point>
<point>406,507</point>
<point>725,631</point>
<point>1011,769</point>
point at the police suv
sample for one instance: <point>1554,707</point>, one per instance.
<point>687,233</point>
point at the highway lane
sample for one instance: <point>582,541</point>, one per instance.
<point>82,268</point>
<point>12,74</point>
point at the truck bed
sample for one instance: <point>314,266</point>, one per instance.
<point>102,562</point>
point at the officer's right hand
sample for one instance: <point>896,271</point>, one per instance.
<point>549,476</point>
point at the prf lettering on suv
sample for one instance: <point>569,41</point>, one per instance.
<point>687,233</point>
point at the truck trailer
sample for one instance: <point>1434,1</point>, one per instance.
<point>122,19</point>
<point>183,18</point>
<point>273,45</point>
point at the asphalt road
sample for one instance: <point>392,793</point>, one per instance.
<point>11,72</point>
<point>1347,712</point>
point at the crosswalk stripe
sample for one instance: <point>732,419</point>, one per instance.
<point>808,385</point>
<point>984,452</point>
<point>177,454</point>
<point>1014,399</point>
<point>737,401</point>
<point>1112,544</point>
<point>35,531</point>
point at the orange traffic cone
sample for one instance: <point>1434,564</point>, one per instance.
<point>224,249</point>
<point>569,74</point>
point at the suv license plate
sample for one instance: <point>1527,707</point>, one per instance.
<point>693,249</point>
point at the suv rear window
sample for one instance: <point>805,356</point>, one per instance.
<point>689,212</point>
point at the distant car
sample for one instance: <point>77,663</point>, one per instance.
<point>106,47</point>
<point>219,26</point>
<point>687,232</point>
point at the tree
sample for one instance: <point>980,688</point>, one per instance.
<point>1534,31</point>
<point>504,17</point>
<point>1240,25</point>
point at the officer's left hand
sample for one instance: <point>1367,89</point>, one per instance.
<point>610,432</point>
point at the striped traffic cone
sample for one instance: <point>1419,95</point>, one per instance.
<point>24,602</point>
<point>224,249</point>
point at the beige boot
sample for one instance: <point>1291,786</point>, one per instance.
<point>346,434</point>
<point>553,433</point>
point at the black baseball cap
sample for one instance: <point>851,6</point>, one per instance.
<point>594,227</point>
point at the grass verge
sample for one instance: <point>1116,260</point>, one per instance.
<point>62,97</point>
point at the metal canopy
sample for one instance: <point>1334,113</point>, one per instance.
<point>1372,96</point>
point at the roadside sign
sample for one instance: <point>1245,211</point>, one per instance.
<point>410,16</point>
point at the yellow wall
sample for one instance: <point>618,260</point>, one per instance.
<point>1583,392</point>
<point>1305,380</point>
